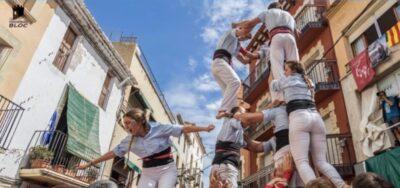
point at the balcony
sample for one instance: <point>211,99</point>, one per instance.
<point>10,115</point>
<point>324,74</point>
<point>310,22</point>
<point>340,153</point>
<point>61,169</point>
<point>190,177</point>
<point>258,179</point>
<point>260,132</point>
<point>256,82</point>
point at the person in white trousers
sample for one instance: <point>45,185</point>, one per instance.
<point>151,142</point>
<point>282,30</point>
<point>229,82</point>
<point>225,165</point>
<point>306,127</point>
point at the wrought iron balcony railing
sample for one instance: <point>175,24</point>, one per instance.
<point>62,162</point>
<point>10,116</point>
<point>340,153</point>
<point>310,17</point>
<point>260,72</point>
<point>324,74</point>
<point>260,178</point>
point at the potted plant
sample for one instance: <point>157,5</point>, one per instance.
<point>40,157</point>
<point>71,172</point>
<point>59,168</point>
<point>92,174</point>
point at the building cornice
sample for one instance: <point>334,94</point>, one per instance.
<point>334,8</point>
<point>85,22</point>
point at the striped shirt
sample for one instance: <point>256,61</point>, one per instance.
<point>155,141</point>
<point>273,18</point>
<point>294,87</point>
<point>231,131</point>
<point>229,42</point>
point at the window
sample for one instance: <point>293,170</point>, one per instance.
<point>4,53</point>
<point>387,20</point>
<point>65,50</point>
<point>382,24</point>
<point>105,91</point>
<point>371,35</point>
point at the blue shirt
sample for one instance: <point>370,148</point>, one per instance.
<point>155,141</point>
<point>231,131</point>
<point>294,87</point>
<point>391,111</point>
<point>278,116</point>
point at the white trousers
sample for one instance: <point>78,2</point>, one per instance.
<point>229,82</point>
<point>283,47</point>
<point>226,172</point>
<point>307,131</point>
<point>161,176</point>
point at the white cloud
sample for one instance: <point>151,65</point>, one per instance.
<point>214,105</point>
<point>206,83</point>
<point>192,64</point>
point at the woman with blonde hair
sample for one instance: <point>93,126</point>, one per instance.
<point>151,142</point>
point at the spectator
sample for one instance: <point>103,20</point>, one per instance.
<point>370,180</point>
<point>319,183</point>
<point>391,112</point>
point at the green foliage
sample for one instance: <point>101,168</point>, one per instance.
<point>41,152</point>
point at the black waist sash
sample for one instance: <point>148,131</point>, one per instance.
<point>282,138</point>
<point>224,54</point>
<point>299,104</point>
<point>153,161</point>
<point>227,153</point>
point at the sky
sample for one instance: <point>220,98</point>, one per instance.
<point>178,38</point>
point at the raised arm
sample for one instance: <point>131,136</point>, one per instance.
<point>242,59</point>
<point>109,155</point>
<point>253,145</point>
<point>247,25</point>
<point>190,128</point>
<point>250,118</point>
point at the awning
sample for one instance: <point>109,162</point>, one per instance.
<point>83,126</point>
<point>387,165</point>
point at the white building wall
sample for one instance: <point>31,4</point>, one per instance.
<point>43,84</point>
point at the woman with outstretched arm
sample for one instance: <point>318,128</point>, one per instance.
<point>151,142</point>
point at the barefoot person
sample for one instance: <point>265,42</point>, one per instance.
<point>281,27</point>
<point>151,142</point>
<point>227,151</point>
<point>227,48</point>
<point>306,127</point>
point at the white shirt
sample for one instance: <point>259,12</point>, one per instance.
<point>231,131</point>
<point>277,18</point>
<point>229,42</point>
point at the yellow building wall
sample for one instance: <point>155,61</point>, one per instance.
<point>25,42</point>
